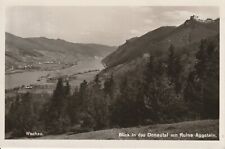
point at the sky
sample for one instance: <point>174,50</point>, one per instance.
<point>109,25</point>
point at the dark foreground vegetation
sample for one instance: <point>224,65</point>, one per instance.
<point>162,94</point>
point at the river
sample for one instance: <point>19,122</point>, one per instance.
<point>31,77</point>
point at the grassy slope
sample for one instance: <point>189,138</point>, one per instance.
<point>201,126</point>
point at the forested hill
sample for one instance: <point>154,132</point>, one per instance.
<point>158,41</point>
<point>23,51</point>
<point>167,75</point>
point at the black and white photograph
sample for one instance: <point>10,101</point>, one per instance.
<point>112,73</point>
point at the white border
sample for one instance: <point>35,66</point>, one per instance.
<point>113,143</point>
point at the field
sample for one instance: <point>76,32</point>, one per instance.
<point>189,130</point>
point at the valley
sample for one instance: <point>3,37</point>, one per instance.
<point>36,63</point>
<point>165,81</point>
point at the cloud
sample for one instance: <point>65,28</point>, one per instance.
<point>148,21</point>
<point>144,9</point>
<point>178,14</point>
<point>85,33</point>
<point>135,32</point>
<point>106,25</point>
<point>185,14</point>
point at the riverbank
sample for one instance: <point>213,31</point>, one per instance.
<point>43,67</point>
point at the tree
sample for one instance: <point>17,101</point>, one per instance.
<point>151,88</point>
<point>191,96</point>
<point>149,72</point>
<point>12,115</point>
<point>97,106</point>
<point>174,69</point>
<point>74,106</point>
<point>57,118</point>
<point>27,114</point>
<point>83,93</point>
<point>207,71</point>
<point>128,109</point>
<point>24,115</point>
<point>160,98</point>
<point>203,87</point>
<point>109,86</point>
<point>121,110</point>
<point>67,89</point>
<point>171,63</point>
<point>97,81</point>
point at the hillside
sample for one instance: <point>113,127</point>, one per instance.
<point>201,127</point>
<point>27,51</point>
<point>158,41</point>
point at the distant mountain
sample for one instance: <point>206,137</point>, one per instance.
<point>159,40</point>
<point>22,51</point>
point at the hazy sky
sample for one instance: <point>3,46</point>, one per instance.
<point>105,25</point>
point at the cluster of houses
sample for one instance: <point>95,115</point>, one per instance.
<point>25,67</point>
<point>30,66</point>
